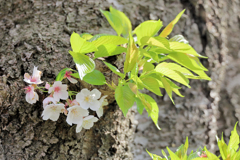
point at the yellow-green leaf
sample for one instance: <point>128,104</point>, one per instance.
<point>147,28</point>
<point>80,45</point>
<point>167,30</point>
<point>109,39</point>
<point>131,56</point>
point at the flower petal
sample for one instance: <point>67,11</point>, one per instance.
<point>85,92</point>
<point>72,80</point>
<point>95,105</point>
<point>78,128</point>
<point>100,112</point>
<point>64,95</point>
<point>96,94</point>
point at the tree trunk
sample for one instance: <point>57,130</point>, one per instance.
<point>37,32</point>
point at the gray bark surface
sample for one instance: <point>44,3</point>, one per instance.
<point>37,32</point>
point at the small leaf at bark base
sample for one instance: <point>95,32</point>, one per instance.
<point>167,30</point>
<point>109,50</point>
<point>210,155</point>
<point>62,73</point>
<point>131,56</point>
<point>84,63</point>
<point>114,70</point>
<point>108,39</point>
<point>151,107</point>
<point>95,78</point>
<point>234,140</point>
<point>76,75</point>
<point>173,155</point>
<point>125,98</point>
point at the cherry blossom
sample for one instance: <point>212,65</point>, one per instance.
<point>88,99</point>
<point>52,111</point>
<point>87,123</point>
<point>47,100</point>
<point>31,96</point>
<point>69,77</point>
<point>103,102</point>
<point>47,85</point>
<point>76,114</point>
<point>35,78</point>
<point>59,91</point>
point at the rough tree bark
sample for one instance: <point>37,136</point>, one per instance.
<point>36,32</point>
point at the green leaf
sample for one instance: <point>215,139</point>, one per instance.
<point>119,21</point>
<point>184,48</point>
<point>114,70</point>
<point>125,22</point>
<point>175,75</point>
<point>108,39</point>
<point>234,140</point>
<point>151,107</point>
<point>155,157</point>
<point>61,74</point>
<point>109,50</point>
<point>84,63</point>
<point>222,147</point>
<point>148,67</point>
<point>125,98</point>
<point>179,38</point>
<point>173,155</point>
<point>80,45</point>
<point>167,30</point>
<point>134,71</point>
<point>140,105</point>
<point>131,56</point>
<point>147,28</point>
<point>186,61</point>
<point>76,75</point>
<point>168,88</point>
<point>202,75</point>
<point>151,84</point>
<point>160,42</point>
<point>95,78</point>
<point>210,155</point>
<point>86,36</point>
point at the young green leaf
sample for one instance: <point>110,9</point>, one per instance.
<point>61,74</point>
<point>178,38</point>
<point>86,36</point>
<point>148,67</point>
<point>109,50</point>
<point>125,98</point>
<point>80,45</point>
<point>160,42</point>
<point>95,78</point>
<point>140,105</point>
<point>84,63</point>
<point>184,48</point>
<point>108,39</point>
<point>147,28</point>
<point>151,106</point>
<point>173,155</point>
<point>168,88</point>
<point>76,75</point>
<point>234,140</point>
<point>131,56</point>
<point>155,157</point>
<point>114,70</point>
<point>151,84</point>
<point>114,21</point>
<point>186,61</point>
<point>125,22</point>
<point>175,75</point>
<point>210,155</point>
<point>222,147</point>
<point>167,30</point>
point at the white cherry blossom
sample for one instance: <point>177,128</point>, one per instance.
<point>59,91</point>
<point>35,78</point>
<point>47,100</point>
<point>87,123</point>
<point>103,102</point>
<point>76,114</point>
<point>52,111</point>
<point>31,96</point>
<point>69,77</point>
<point>88,99</point>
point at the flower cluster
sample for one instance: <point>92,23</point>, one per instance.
<point>76,110</point>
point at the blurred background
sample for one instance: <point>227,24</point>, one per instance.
<point>36,32</point>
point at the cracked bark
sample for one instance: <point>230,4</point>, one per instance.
<point>36,32</point>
